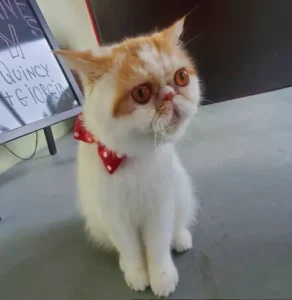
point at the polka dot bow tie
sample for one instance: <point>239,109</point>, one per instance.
<point>110,159</point>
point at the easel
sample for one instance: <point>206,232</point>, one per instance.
<point>47,130</point>
<point>50,140</point>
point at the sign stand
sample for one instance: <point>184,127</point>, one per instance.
<point>50,140</point>
<point>37,89</point>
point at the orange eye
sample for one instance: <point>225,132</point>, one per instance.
<point>181,77</point>
<point>142,93</point>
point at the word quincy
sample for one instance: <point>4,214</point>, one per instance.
<point>20,74</point>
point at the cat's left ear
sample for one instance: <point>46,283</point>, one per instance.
<point>174,32</point>
<point>85,62</point>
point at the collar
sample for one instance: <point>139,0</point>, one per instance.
<point>111,159</point>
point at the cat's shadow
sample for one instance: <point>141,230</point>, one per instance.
<point>60,263</point>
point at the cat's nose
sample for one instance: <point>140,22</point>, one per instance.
<point>169,96</point>
<point>166,93</point>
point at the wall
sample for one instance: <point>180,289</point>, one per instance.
<point>71,27</point>
<point>69,22</point>
<point>241,48</point>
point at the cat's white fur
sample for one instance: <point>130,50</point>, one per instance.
<point>147,206</point>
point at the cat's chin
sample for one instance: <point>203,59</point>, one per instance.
<point>177,121</point>
<point>176,116</point>
<point>174,131</point>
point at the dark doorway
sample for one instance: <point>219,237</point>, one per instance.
<point>242,47</point>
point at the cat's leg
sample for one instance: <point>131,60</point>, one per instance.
<point>97,233</point>
<point>93,217</point>
<point>157,236</point>
<point>126,240</point>
<point>185,210</point>
<point>115,231</point>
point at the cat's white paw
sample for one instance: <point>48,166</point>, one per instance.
<point>182,241</point>
<point>163,279</point>
<point>136,276</point>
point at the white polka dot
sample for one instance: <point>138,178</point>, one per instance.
<point>89,140</point>
<point>119,155</point>
<point>109,167</point>
<point>104,154</point>
<point>76,134</point>
<point>81,118</point>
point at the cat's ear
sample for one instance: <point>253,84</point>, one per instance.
<point>174,32</point>
<point>86,62</point>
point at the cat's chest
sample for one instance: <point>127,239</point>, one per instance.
<point>145,173</point>
<point>148,175</point>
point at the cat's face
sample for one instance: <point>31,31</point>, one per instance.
<point>139,93</point>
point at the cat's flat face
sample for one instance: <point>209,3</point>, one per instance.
<point>140,90</point>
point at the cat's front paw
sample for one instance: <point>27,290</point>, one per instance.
<point>136,276</point>
<point>182,240</point>
<point>163,278</point>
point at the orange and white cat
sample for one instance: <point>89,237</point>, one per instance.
<point>140,95</point>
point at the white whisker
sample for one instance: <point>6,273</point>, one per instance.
<point>193,38</point>
<point>160,131</point>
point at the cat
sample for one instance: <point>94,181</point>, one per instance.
<point>135,195</point>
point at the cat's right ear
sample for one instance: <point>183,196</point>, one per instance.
<point>86,62</point>
<point>173,33</point>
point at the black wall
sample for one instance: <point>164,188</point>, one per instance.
<point>243,47</point>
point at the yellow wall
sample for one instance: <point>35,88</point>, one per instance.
<point>71,27</point>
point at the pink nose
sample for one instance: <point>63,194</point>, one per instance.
<point>168,96</point>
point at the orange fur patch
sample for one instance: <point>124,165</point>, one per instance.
<point>128,77</point>
<point>165,42</point>
<point>131,68</point>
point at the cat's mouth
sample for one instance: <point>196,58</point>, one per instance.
<point>168,122</point>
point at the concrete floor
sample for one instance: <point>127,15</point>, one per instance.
<point>242,165</point>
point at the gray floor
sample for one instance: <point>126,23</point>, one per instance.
<point>241,160</point>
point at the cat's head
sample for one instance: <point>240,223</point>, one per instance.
<point>139,93</point>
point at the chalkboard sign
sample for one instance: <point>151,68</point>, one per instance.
<point>36,89</point>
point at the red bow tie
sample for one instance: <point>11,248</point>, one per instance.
<point>110,159</point>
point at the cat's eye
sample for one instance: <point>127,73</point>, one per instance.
<point>142,93</point>
<point>181,77</point>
